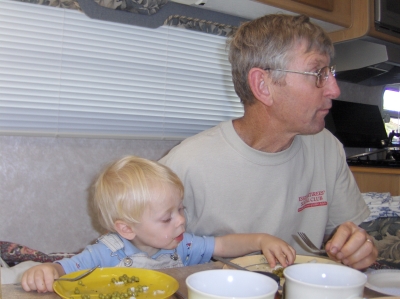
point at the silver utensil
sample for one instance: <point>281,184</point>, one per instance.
<point>236,266</point>
<point>310,244</point>
<point>78,277</point>
<point>229,263</point>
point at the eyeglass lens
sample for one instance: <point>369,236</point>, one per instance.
<point>323,75</point>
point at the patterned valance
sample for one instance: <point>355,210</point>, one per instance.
<point>144,7</point>
<point>158,12</point>
<point>71,4</point>
<point>200,25</point>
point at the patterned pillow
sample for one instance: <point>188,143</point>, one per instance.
<point>386,236</point>
<point>13,253</point>
<point>381,205</point>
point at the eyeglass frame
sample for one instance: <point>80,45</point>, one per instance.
<point>332,70</point>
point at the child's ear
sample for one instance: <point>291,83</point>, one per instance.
<point>124,230</point>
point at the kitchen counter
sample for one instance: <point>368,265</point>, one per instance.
<point>377,179</point>
<point>11,291</point>
<point>379,170</point>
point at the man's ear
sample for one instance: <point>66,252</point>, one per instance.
<point>259,83</point>
<point>124,230</point>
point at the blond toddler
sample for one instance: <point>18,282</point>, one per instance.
<point>139,202</point>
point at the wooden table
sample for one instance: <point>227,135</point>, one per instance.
<point>10,291</point>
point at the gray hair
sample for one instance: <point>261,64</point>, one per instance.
<point>269,42</point>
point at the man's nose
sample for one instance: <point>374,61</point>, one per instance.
<point>332,88</point>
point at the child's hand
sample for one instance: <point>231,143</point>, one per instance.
<point>275,249</point>
<point>40,278</point>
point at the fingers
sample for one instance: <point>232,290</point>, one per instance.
<point>48,283</point>
<point>339,239</point>
<point>284,255</point>
<point>25,284</point>
<point>352,246</point>
<point>346,240</point>
<point>32,277</point>
<point>270,258</point>
<point>39,279</point>
<point>290,255</point>
<point>363,257</point>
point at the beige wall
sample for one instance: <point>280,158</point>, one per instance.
<point>44,187</point>
<point>44,182</point>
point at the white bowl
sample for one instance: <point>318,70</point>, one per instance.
<point>227,283</point>
<point>327,281</point>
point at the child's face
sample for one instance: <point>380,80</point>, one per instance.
<point>162,224</point>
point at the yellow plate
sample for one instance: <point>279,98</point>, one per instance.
<point>160,285</point>
<point>259,262</point>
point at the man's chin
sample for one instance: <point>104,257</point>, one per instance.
<point>313,131</point>
<point>317,127</point>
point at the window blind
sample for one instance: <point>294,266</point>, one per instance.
<point>64,74</point>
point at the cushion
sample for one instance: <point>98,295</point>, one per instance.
<point>381,205</point>
<point>13,254</point>
<point>385,233</point>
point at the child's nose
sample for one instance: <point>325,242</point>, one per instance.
<point>181,220</point>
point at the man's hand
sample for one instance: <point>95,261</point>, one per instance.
<point>352,246</point>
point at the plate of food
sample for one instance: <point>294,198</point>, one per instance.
<point>259,263</point>
<point>127,282</point>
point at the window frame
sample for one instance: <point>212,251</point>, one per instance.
<point>394,87</point>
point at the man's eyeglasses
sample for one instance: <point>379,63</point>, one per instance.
<point>322,74</point>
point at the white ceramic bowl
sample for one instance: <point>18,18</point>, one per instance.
<point>227,283</point>
<point>327,281</point>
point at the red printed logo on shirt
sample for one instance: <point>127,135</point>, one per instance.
<point>312,199</point>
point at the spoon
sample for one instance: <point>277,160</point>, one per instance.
<point>236,266</point>
<point>78,277</point>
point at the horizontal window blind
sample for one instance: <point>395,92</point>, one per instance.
<point>64,74</point>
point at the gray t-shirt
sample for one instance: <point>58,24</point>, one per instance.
<point>233,188</point>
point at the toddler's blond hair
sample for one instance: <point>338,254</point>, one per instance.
<point>125,188</point>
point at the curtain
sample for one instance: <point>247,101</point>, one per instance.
<point>64,74</point>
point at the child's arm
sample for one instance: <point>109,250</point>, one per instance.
<point>274,249</point>
<point>41,277</point>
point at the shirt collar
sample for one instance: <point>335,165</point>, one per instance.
<point>131,249</point>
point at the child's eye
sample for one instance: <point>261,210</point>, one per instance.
<point>167,220</point>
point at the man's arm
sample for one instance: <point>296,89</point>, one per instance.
<point>352,246</point>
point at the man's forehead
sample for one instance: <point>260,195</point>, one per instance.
<point>310,58</point>
<point>304,46</point>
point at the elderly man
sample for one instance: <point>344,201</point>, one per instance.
<point>276,169</point>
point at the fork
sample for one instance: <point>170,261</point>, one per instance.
<point>310,244</point>
<point>78,277</point>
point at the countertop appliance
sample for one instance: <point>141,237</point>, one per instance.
<point>387,16</point>
<point>360,125</point>
<point>357,125</point>
<point>391,156</point>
